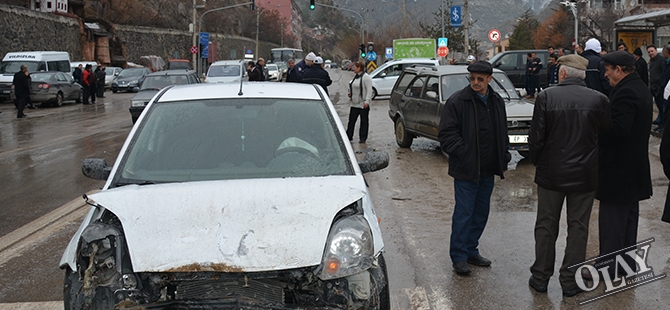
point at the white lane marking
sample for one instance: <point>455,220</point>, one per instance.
<point>418,300</point>
<point>42,305</point>
<point>15,243</point>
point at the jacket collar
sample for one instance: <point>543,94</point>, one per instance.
<point>625,80</point>
<point>572,81</point>
<point>469,94</point>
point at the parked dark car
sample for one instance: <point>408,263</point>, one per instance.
<point>419,95</point>
<point>179,64</point>
<point>53,87</point>
<point>513,63</point>
<point>129,79</point>
<point>155,82</point>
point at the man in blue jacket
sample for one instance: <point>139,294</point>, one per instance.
<point>473,132</point>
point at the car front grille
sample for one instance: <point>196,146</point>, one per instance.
<point>225,288</point>
<point>518,125</point>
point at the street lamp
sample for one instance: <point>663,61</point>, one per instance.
<point>573,8</point>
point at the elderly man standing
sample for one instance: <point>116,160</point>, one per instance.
<point>473,131</point>
<point>624,176</point>
<point>563,141</point>
<point>656,63</point>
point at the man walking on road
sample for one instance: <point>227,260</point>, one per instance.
<point>563,141</point>
<point>624,176</point>
<point>21,90</point>
<point>656,63</point>
<point>473,132</point>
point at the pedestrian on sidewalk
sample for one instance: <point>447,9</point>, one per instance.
<point>360,94</point>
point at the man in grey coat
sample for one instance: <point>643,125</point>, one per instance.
<point>563,141</point>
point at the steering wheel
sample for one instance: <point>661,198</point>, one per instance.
<point>296,149</point>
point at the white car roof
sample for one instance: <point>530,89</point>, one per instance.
<point>226,62</point>
<point>249,90</point>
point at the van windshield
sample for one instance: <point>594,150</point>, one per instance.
<point>15,66</point>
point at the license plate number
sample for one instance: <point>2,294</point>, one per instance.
<point>518,139</point>
<point>5,92</point>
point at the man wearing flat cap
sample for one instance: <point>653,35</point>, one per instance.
<point>473,132</point>
<point>563,141</point>
<point>624,176</point>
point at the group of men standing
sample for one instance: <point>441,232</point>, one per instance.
<point>589,140</point>
<point>93,82</point>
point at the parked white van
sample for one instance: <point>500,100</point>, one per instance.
<point>226,71</point>
<point>36,61</point>
<point>384,77</point>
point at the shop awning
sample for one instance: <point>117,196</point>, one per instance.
<point>652,19</point>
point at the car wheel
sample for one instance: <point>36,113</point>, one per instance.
<point>80,97</point>
<point>59,99</point>
<point>374,93</point>
<point>402,137</point>
<point>114,91</point>
<point>75,299</point>
<point>380,298</point>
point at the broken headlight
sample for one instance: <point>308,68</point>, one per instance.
<point>349,248</point>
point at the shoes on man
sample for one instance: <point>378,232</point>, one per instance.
<point>361,141</point>
<point>479,260</point>
<point>571,293</point>
<point>537,287</point>
<point>462,268</point>
<point>21,116</point>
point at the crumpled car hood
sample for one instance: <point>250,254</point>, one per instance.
<point>233,225</point>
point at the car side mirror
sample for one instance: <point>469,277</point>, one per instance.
<point>431,94</point>
<point>496,65</point>
<point>95,168</point>
<point>374,160</point>
<point>382,75</point>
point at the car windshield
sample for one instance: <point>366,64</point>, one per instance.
<point>160,81</point>
<point>224,70</point>
<point>503,86</point>
<point>131,72</point>
<point>179,65</point>
<point>220,139</point>
<point>272,68</point>
<point>15,66</point>
<point>282,65</point>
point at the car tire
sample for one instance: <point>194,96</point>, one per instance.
<point>525,154</point>
<point>80,97</point>
<point>374,93</point>
<point>59,100</point>
<point>114,91</point>
<point>402,137</point>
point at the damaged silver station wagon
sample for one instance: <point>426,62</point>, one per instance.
<point>231,196</point>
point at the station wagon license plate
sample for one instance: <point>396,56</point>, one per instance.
<point>518,139</point>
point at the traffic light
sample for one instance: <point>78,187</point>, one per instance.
<point>252,5</point>
<point>362,49</point>
<point>371,47</point>
<point>311,5</point>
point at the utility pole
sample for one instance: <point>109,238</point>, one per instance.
<point>466,17</point>
<point>442,7</point>
<point>258,18</point>
<point>195,42</point>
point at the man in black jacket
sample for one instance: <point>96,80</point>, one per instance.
<point>624,176</point>
<point>316,74</point>
<point>292,73</point>
<point>656,64</point>
<point>595,72</point>
<point>77,74</point>
<point>473,132</point>
<point>21,90</point>
<point>100,81</point>
<point>563,141</point>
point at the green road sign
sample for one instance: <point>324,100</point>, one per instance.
<point>414,48</point>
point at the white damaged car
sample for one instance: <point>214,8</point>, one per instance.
<point>231,196</point>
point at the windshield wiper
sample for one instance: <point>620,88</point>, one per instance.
<point>119,184</point>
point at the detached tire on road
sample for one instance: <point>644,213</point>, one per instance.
<point>402,137</point>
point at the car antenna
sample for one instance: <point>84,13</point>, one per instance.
<point>240,93</point>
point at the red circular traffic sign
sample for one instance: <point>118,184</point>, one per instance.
<point>194,49</point>
<point>442,51</point>
<point>494,35</point>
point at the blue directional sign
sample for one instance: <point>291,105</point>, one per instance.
<point>204,38</point>
<point>455,15</point>
<point>372,56</point>
<point>389,53</point>
<point>442,42</point>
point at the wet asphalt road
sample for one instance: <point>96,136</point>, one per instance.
<point>40,159</point>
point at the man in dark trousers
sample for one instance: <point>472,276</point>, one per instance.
<point>100,81</point>
<point>473,132</point>
<point>624,176</point>
<point>641,66</point>
<point>595,72</point>
<point>537,67</point>
<point>316,74</point>
<point>528,82</point>
<point>563,141</point>
<point>77,75</point>
<point>656,63</point>
<point>88,78</point>
<point>21,90</point>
